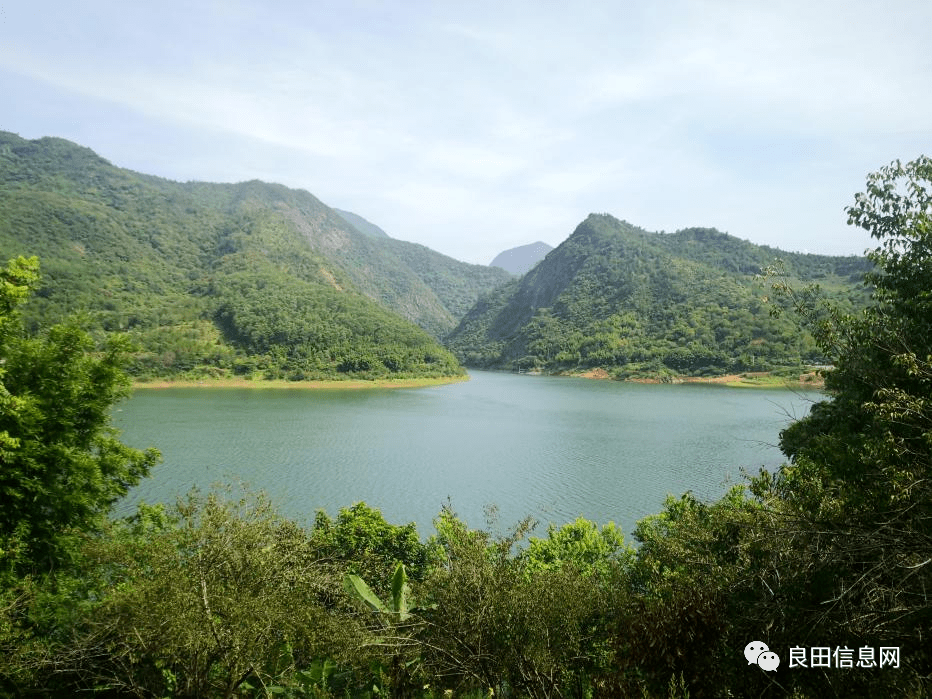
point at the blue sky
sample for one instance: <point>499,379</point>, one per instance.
<point>475,127</point>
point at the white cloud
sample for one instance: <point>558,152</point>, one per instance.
<point>457,122</point>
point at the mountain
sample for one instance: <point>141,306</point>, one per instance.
<point>620,298</point>
<point>362,225</point>
<point>248,278</point>
<point>522,258</point>
<point>457,284</point>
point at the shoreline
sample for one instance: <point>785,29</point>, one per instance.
<point>757,379</point>
<point>316,385</point>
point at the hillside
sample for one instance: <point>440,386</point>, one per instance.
<point>249,278</point>
<point>458,285</point>
<point>620,298</point>
<point>522,258</point>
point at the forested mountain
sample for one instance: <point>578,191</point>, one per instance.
<point>457,284</point>
<point>244,277</point>
<point>522,258</point>
<point>260,278</point>
<point>618,297</point>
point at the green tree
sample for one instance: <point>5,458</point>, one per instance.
<point>16,282</point>
<point>216,597</point>
<point>579,544</point>
<point>686,607</point>
<point>877,422</point>
<point>494,621</point>
<point>373,547</point>
<point>62,464</point>
<point>857,496</point>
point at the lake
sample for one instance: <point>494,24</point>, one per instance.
<point>553,447</point>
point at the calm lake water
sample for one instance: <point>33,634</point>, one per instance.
<point>552,447</point>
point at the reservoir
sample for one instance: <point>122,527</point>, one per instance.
<point>555,448</point>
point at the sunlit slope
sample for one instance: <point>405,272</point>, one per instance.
<point>618,297</point>
<point>215,278</point>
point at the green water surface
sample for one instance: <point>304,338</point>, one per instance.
<point>552,447</point>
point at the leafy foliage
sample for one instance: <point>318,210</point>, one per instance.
<point>858,489</point>
<point>373,547</point>
<point>62,464</point>
<point>211,598</point>
<point>61,469</point>
<point>580,545</point>
<point>493,622</point>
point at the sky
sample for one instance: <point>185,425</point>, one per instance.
<point>474,127</point>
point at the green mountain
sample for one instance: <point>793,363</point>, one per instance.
<point>458,285</point>
<point>213,278</point>
<point>617,297</point>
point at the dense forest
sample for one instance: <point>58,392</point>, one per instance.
<point>213,279</point>
<point>219,596</point>
<point>616,297</point>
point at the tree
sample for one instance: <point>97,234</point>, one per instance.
<point>877,418</point>
<point>16,282</point>
<point>214,597</point>
<point>579,544</point>
<point>495,620</point>
<point>857,495</point>
<point>62,464</point>
<point>361,536</point>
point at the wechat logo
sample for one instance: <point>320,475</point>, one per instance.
<point>758,653</point>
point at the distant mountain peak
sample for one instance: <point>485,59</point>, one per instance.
<point>521,259</point>
<point>362,225</point>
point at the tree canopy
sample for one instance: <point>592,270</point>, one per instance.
<point>861,471</point>
<point>62,464</point>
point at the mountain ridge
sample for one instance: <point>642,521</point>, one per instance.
<point>153,257</point>
<point>617,297</point>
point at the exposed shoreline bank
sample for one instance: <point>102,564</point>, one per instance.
<point>350,384</point>
<point>805,380</point>
<point>758,379</point>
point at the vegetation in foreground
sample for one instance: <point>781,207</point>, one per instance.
<point>220,596</point>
